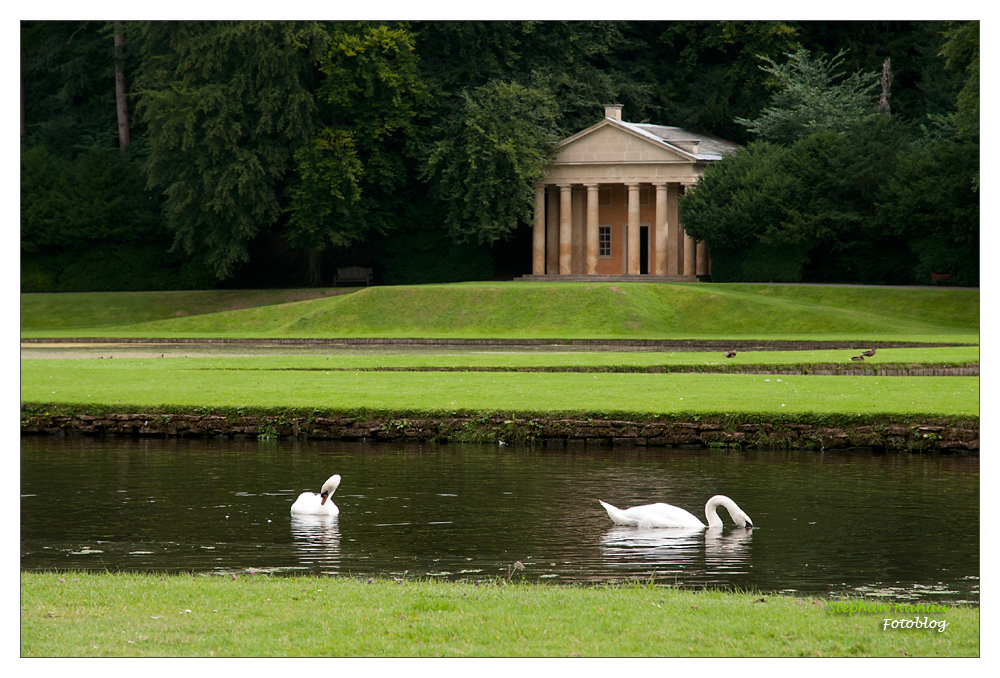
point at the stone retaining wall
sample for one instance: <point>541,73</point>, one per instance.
<point>926,436</point>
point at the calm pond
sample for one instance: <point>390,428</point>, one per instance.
<point>903,527</point>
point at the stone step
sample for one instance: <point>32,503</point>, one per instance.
<point>610,278</point>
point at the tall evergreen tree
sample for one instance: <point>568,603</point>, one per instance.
<point>812,97</point>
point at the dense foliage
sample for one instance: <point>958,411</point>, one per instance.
<point>836,190</point>
<point>811,97</point>
<point>489,154</point>
<point>269,153</point>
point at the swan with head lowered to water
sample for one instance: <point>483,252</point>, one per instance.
<point>309,504</point>
<point>665,515</point>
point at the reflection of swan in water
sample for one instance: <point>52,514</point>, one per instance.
<point>671,548</point>
<point>665,515</point>
<point>316,539</point>
<point>657,537</point>
<point>730,548</point>
<point>664,545</point>
<point>309,504</point>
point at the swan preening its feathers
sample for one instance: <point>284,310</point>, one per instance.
<point>665,515</point>
<point>309,504</point>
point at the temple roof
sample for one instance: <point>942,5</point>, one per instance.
<point>709,148</point>
<point>680,143</point>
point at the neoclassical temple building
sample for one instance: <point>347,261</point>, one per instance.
<point>608,205</point>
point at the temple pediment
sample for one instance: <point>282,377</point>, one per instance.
<point>610,141</point>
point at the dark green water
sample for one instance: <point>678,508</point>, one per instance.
<point>903,527</point>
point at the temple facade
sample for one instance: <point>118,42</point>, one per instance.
<point>608,204</point>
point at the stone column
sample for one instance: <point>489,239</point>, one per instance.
<point>592,223</point>
<point>674,248</point>
<point>702,257</point>
<point>538,234</point>
<point>689,254</point>
<point>552,231</point>
<point>565,229</point>
<point>633,229</point>
<point>661,226</point>
<point>578,258</point>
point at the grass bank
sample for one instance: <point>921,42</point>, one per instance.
<point>530,310</point>
<point>136,615</point>
<point>80,310</point>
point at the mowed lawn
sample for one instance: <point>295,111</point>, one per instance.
<point>225,383</point>
<point>860,315</point>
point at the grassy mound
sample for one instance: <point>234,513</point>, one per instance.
<point>529,310</point>
<point>45,313</point>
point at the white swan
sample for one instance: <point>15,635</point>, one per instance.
<point>309,504</point>
<point>665,515</point>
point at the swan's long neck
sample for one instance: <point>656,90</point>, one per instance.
<point>735,512</point>
<point>331,485</point>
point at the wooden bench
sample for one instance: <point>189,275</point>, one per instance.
<point>353,274</point>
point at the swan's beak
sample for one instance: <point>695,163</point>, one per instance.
<point>323,497</point>
<point>748,525</point>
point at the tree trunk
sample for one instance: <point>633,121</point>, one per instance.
<point>124,139</point>
<point>24,127</point>
<point>314,277</point>
<point>883,102</point>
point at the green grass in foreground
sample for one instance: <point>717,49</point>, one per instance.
<point>79,614</point>
<point>534,310</point>
<point>181,384</point>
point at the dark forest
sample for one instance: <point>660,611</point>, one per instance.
<point>196,155</point>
